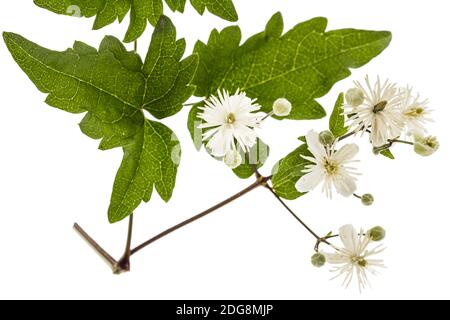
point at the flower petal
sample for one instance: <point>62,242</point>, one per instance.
<point>314,146</point>
<point>349,237</point>
<point>310,180</point>
<point>346,153</point>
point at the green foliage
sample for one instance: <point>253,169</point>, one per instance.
<point>337,118</point>
<point>301,65</point>
<point>288,171</point>
<point>388,154</point>
<point>113,86</point>
<point>254,159</point>
<point>151,160</point>
<point>141,11</point>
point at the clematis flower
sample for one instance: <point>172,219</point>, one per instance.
<point>230,120</point>
<point>329,166</point>
<point>354,258</point>
<point>379,112</point>
<point>415,112</point>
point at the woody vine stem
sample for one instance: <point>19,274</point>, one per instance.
<point>123,264</point>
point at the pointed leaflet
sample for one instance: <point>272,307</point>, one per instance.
<point>151,160</point>
<point>337,118</point>
<point>111,84</point>
<point>84,79</point>
<point>141,11</point>
<point>301,65</point>
<point>288,171</point>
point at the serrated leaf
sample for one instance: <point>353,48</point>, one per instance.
<point>81,80</point>
<point>151,160</point>
<point>255,158</point>
<point>301,65</point>
<point>388,154</point>
<point>288,171</point>
<point>111,84</point>
<point>337,118</point>
<point>141,11</point>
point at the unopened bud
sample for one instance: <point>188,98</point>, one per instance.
<point>282,107</point>
<point>318,260</point>
<point>326,138</point>
<point>354,97</point>
<point>377,234</point>
<point>367,199</point>
<point>426,146</point>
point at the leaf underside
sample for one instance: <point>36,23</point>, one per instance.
<point>112,87</point>
<point>141,11</point>
<point>301,65</point>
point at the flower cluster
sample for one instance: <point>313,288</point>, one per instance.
<point>384,111</point>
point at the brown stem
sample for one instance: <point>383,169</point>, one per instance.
<point>97,248</point>
<point>260,182</point>
<point>320,239</point>
<point>123,265</point>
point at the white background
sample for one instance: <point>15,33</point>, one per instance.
<point>51,176</point>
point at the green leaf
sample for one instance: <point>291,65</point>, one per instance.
<point>81,80</point>
<point>337,118</point>
<point>302,139</point>
<point>288,171</point>
<point>111,84</point>
<point>151,160</point>
<point>388,154</point>
<point>193,123</point>
<point>141,11</point>
<point>301,65</point>
<point>256,157</point>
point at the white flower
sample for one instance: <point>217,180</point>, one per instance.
<point>282,107</point>
<point>379,113</point>
<point>354,257</point>
<point>329,166</point>
<point>230,119</point>
<point>233,159</point>
<point>415,112</point>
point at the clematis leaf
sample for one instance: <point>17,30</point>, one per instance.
<point>337,118</point>
<point>112,86</point>
<point>142,12</point>
<point>288,171</point>
<point>301,65</point>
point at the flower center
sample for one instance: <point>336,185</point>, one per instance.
<point>380,106</point>
<point>415,112</point>
<point>331,167</point>
<point>231,118</point>
<point>360,261</point>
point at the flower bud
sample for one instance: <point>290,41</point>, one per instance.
<point>318,260</point>
<point>326,138</point>
<point>354,97</point>
<point>367,199</point>
<point>282,107</point>
<point>377,234</point>
<point>426,146</point>
<point>233,159</point>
